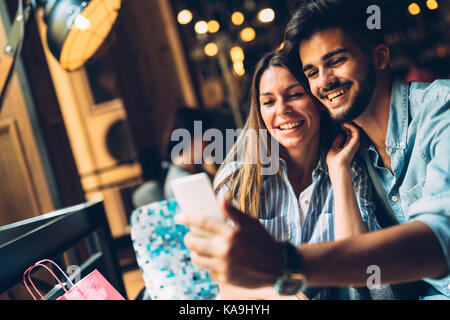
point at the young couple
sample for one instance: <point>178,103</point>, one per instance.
<point>323,193</point>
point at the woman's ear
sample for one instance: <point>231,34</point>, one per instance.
<point>381,57</point>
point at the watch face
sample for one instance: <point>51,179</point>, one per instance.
<point>289,286</point>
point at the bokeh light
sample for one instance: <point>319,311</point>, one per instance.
<point>213,26</point>
<point>432,4</point>
<point>201,27</point>
<point>248,34</point>
<point>237,18</point>
<point>414,9</point>
<point>238,68</point>
<point>237,54</point>
<point>211,49</point>
<point>184,17</point>
<point>266,15</point>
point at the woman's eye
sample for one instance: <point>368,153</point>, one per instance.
<point>268,102</point>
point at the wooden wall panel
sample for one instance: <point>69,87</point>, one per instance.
<point>24,189</point>
<point>18,198</point>
<point>61,161</point>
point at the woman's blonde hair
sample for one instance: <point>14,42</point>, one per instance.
<point>244,184</point>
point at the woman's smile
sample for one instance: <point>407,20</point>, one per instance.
<point>290,127</point>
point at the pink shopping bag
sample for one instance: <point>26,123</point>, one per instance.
<point>92,287</point>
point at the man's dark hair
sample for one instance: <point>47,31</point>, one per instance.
<point>351,16</point>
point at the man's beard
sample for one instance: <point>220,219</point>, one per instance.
<point>361,100</point>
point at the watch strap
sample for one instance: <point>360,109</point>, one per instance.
<point>292,280</point>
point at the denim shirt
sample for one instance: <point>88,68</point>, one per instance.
<point>418,142</point>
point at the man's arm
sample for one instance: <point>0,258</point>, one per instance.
<point>404,253</point>
<point>246,254</point>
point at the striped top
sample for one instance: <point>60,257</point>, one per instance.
<point>280,209</point>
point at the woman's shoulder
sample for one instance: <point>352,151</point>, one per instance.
<point>233,167</point>
<point>226,171</point>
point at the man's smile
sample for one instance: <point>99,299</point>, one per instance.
<point>336,94</point>
<point>334,97</point>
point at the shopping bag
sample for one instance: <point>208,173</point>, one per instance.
<point>92,287</point>
<point>164,260</point>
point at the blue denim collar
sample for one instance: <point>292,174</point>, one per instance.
<point>397,132</point>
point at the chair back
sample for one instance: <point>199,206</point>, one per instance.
<point>51,235</point>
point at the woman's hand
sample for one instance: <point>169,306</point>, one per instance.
<point>347,215</point>
<point>340,156</point>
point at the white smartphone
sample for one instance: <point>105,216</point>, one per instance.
<point>195,195</point>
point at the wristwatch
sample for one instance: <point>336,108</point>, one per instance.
<point>292,281</point>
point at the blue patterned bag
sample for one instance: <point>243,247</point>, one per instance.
<point>164,260</point>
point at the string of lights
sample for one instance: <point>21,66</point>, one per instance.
<point>237,18</point>
<point>222,37</point>
<point>414,8</point>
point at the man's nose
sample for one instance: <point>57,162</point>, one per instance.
<point>326,80</point>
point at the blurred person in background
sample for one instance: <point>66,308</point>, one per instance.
<point>180,162</point>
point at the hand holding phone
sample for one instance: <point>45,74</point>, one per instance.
<point>195,195</point>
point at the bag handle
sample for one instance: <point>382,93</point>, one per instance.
<point>39,263</point>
